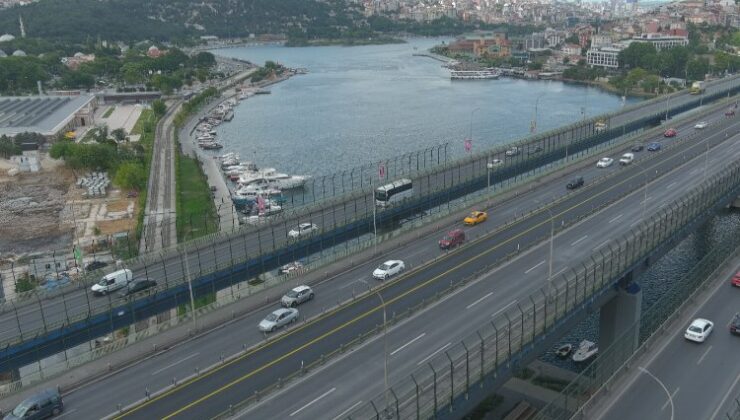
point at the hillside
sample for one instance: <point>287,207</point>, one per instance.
<point>167,20</point>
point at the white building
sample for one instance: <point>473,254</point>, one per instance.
<point>598,41</point>
<point>662,42</point>
<point>607,57</point>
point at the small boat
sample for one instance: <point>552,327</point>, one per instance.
<point>564,351</point>
<point>211,146</point>
<point>586,350</point>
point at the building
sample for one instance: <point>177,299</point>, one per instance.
<point>49,116</point>
<point>598,41</point>
<point>661,41</point>
<point>607,57</point>
<point>74,62</point>
<point>492,44</point>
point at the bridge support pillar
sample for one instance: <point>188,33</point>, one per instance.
<point>736,203</point>
<point>620,315</point>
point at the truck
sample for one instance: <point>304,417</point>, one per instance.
<point>697,88</point>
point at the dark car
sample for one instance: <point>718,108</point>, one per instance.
<point>637,148</point>
<point>46,403</point>
<point>575,183</point>
<point>534,150</point>
<point>452,239</point>
<point>735,325</point>
<point>136,286</point>
<point>95,265</point>
<point>653,147</point>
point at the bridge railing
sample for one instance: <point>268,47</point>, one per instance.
<point>446,377</point>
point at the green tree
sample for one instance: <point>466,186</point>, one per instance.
<point>119,134</point>
<point>8,147</point>
<point>131,176</point>
<point>159,107</point>
<point>697,69</point>
<point>650,83</point>
<point>638,54</point>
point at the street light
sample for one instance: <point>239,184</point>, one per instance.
<point>644,200</point>
<point>489,166</point>
<point>190,290</point>
<point>385,344</point>
<point>533,127</point>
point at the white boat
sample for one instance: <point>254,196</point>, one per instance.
<point>474,74</point>
<point>586,350</point>
<point>272,176</point>
<point>250,194</point>
<point>206,137</point>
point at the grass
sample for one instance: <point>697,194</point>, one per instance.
<point>199,303</point>
<point>108,112</point>
<point>147,116</point>
<point>196,212</point>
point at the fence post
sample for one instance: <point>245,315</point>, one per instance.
<point>434,382</point>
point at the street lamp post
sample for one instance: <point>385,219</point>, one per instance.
<point>190,290</point>
<point>533,128</point>
<point>489,166</point>
<point>375,225</point>
<point>644,199</point>
<point>470,132</point>
<point>385,346</point>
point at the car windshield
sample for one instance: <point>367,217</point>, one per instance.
<point>447,238</point>
<point>103,282</point>
<point>21,409</point>
<point>272,317</point>
<point>605,159</point>
<point>292,294</point>
<point>384,266</point>
<point>695,329</point>
<point>474,214</point>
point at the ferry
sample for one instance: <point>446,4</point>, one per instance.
<point>474,74</point>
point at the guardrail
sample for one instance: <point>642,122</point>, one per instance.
<point>498,345</point>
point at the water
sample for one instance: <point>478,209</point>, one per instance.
<point>359,105</point>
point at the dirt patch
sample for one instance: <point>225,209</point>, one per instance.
<point>30,208</point>
<point>109,227</point>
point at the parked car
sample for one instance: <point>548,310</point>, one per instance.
<point>671,132</point>
<point>736,279</point>
<point>701,124</point>
<point>290,267</point>
<point>735,325</point>
<point>278,318</point>
<point>575,183</point>
<point>699,330</point>
<point>513,151</point>
<point>495,162</point>
<point>389,269</point>
<point>112,282</point>
<point>653,147</point>
<point>303,229</point>
<point>475,217</point>
<point>296,296</point>
<point>95,265</point>
<point>46,403</point>
<point>136,286</point>
<point>452,239</point>
<point>604,162</point>
<point>637,148</point>
<point>626,159</point>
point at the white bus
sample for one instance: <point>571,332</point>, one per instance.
<point>394,192</point>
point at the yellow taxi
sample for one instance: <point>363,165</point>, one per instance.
<point>475,218</point>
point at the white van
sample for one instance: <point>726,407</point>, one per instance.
<point>112,282</point>
<point>626,159</point>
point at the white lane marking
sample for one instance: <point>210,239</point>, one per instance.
<point>671,185</point>
<point>695,171</point>
<point>701,359</point>
<point>724,399</point>
<point>347,410</point>
<point>662,385</point>
<point>174,364</point>
<point>579,240</point>
<point>504,308</point>
<point>560,272</point>
<point>538,264</point>
<point>672,396</point>
<point>650,197</point>
<point>68,412</point>
<point>602,244</point>
<point>616,218</point>
<point>635,223</point>
<point>408,344</point>
<point>479,300</point>
<point>352,283</point>
<point>433,354</point>
<point>313,401</point>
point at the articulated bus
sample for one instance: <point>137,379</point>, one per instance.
<point>392,193</point>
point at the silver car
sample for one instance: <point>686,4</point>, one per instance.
<point>278,318</point>
<point>297,296</point>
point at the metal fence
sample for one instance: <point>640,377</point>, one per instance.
<point>448,377</point>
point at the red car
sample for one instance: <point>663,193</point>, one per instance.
<point>730,113</point>
<point>452,239</point>
<point>671,132</point>
<point>736,279</point>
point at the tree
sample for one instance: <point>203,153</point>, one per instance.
<point>8,147</point>
<point>697,69</point>
<point>638,54</point>
<point>119,134</point>
<point>131,176</point>
<point>159,107</point>
<point>650,83</point>
<point>204,59</point>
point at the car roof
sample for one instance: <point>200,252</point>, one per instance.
<point>305,224</point>
<point>700,322</point>
<point>301,288</point>
<point>282,311</point>
<point>391,261</point>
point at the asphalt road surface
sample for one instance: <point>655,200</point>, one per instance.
<point>687,380</point>
<point>280,357</point>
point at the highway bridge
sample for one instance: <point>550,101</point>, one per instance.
<point>261,366</point>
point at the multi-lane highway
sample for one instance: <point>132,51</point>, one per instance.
<point>29,318</point>
<point>279,357</point>
<point>684,380</point>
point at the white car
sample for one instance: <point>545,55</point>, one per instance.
<point>304,229</point>
<point>495,162</point>
<point>388,269</point>
<point>278,318</point>
<point>701,124</point>
<point>513,151</point>
<point>699,330</point>
<point>604,162</point>
<point>296,296</point>
<point>626,159</point>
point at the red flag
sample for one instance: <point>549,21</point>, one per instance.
<point>468,145</point>
<point>381,171</point>
<point>260,204</point>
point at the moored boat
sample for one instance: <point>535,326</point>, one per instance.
<point>586,350</point>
